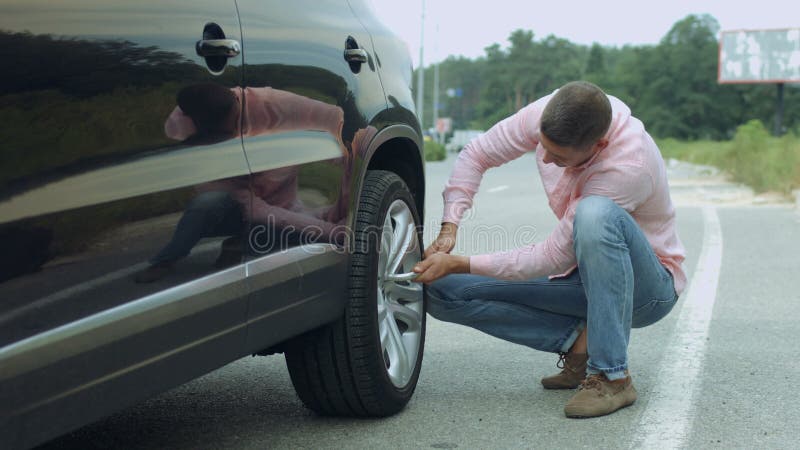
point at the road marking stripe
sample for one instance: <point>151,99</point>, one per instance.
<point>498,189</point>
<point>667,420</point>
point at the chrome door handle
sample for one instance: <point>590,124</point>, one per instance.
<point>218,47</point>
<point>356,55</point>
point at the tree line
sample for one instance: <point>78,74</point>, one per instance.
<point>672,86</point>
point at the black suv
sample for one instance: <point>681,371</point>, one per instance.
<point>184,183</point>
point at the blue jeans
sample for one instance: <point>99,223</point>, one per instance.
<point>216,214</point>
<point>209,214</point>
<point>619,284</point>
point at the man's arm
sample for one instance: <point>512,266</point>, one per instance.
<point>271,111</point>
<point>504,142</point>
<point>445,242</point>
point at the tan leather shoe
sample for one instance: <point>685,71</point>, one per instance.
<point>598,396</point>
<point>573,371</point>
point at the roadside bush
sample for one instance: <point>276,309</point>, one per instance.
<point>434,151</point>
<point>762,161</point>
<point>753,157</point>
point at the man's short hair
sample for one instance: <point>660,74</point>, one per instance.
<point>576,116</point>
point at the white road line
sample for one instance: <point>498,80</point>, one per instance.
<point>498,189</point>
<point>667,421</point>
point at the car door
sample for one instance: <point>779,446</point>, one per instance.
<point>120,157</point>
<point>311,91</point>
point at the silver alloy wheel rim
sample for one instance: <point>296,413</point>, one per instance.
<point>400,303</point>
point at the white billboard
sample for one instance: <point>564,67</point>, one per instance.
<point>759,56</point>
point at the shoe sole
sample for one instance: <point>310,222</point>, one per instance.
<point>560,388</point>
<point>584,416</point>
<point>589,416</point>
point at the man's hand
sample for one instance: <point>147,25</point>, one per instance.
<point>445,242</point>
<point>438,265</point>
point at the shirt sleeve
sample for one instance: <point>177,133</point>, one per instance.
<point>271,110</point>
<point>627,186</point>
<point>504,142</point>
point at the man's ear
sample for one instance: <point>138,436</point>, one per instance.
<point>601,144</point>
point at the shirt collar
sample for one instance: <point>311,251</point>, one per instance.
<point>591,160</point>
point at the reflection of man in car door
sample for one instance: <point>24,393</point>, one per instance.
<point>209,113</point>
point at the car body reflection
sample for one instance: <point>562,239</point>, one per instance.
<point>258,214</point>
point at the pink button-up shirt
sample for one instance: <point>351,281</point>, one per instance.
<point>630,171</point>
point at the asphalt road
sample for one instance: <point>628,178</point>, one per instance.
<point>718,372</point>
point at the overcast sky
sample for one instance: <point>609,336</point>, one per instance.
<point>466,27</point>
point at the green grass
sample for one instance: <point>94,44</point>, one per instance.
<point>752,157</point>
<point>696,152</point>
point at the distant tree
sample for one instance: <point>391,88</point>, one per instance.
<point>558,61</point>
<point>496,101</point>
<point>528,70</point>
<point>596,70</point>
<point>522,71</point>
<point>596,63</point>
<point>464,78</point>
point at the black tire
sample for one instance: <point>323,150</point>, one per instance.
<point>340,368</point>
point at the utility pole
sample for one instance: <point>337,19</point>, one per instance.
<point>436,87</point>
<point>421,70</point>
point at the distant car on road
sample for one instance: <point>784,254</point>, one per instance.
<point>460,139</point>
<point>187,183</point>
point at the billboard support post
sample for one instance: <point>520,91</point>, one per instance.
<point>779,111</point>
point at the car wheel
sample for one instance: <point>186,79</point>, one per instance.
<point>368,362</point>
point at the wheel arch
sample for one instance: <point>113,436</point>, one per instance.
<point>398,149</point>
